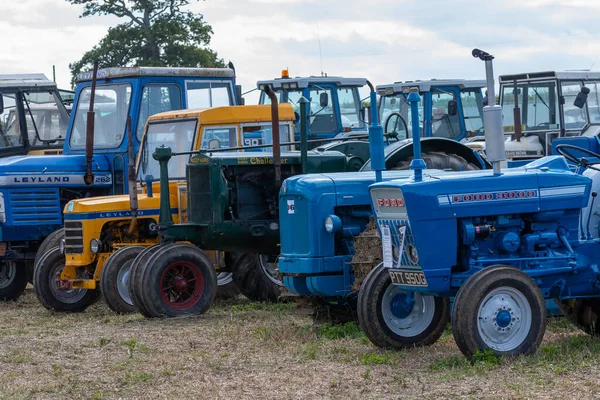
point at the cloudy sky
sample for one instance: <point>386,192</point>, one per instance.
<point>382,40</point>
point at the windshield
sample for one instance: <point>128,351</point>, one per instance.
<point>111,106</point>
<point>179,135</point>
<point>472,103</point>
<point>391,103</point>
<point>256,135</point>
<point>46,118</point>
<point>538,105</point>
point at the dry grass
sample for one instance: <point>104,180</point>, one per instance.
<point>244,350</point>
<point>367,253</point>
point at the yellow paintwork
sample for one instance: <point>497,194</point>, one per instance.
<point>116,207</point>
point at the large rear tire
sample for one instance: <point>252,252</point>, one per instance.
<point>440,160</point>
<point>114,281</point>
<point>500,309</point>
<point>584,313</point>
<point>257,278</point>
<point>13,279</point>
<point>390,321</point>
<point>45,278</point>
<point>179,279</point>
<point>136,278</point>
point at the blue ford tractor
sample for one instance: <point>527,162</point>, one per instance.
<point>34,189</point>
<point>499,241</point>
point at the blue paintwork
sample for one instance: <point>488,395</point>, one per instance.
<point>31,185</point>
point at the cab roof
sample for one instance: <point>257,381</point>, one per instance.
<point>228,114</point>
<point>537,76</point>
<point>123,72</point>
<point>303,82</point>
<point>425,86</point>
<point>25,81</point>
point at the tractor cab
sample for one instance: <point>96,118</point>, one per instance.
<point>334,105</point>
<point>550,108</point>
<point>33,115</point>
<point>449,108</point>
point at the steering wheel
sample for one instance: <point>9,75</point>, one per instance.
<point>563,150</point>
<point>394,134</point>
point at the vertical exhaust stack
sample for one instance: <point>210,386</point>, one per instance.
<point>517,113</point>
<point>303,133</point>
<point>133,195</point>
<point>88,178</point>
<point>376,137</point>
<point>492,116</point>
<point>417,164</point>
<point>276,138</point>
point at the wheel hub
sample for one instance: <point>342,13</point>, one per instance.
<point>180,284</point>
<point>402,305</point>
<point>503,318</point>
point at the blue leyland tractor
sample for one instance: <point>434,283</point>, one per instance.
<point>35,188</point>
<point>499,241</point>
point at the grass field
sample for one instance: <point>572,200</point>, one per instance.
<point>250,350</point>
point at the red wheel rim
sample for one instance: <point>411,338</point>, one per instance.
<point>181,285</point>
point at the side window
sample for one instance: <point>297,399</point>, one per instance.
<point>443,124</point>
<point>349,108</point>
<point>575,118</point>
<point>322,118</point>
<point>226,136</point>
<point>593,101</point>
<point>262,134</point>
<point>157,98</point>
<point>208,94</point>
<point>472,105</point>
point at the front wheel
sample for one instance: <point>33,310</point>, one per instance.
<point>584,313</point>
<point>13,280</point>
<point>500,309</point>
<point>394,318</point>
<point>46,278</point>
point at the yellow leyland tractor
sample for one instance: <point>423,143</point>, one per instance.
<point>103,235</point>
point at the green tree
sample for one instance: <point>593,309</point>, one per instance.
<point>156,33</point>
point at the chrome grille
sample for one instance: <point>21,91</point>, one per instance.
<point>73,237</point>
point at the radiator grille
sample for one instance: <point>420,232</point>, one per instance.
<point>199,200</point>
<point>73,237</point>
<point>35,207</point>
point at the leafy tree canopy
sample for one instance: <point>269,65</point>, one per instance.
<point>157,33</point>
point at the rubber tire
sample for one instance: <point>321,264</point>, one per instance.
<point>252,281</point>
<point>136,278</point>
<point>41,285</point>
<point>473,292</point>
<point>371,320</point>
<point>109,278</point>
<point>584,313</point>
<point>156,265</point>
<point>440,160</point>
<point>52,240</point>
<point>15,288</point>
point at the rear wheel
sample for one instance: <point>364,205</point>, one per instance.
<point>13,280</point>
<point>500,309</point>
<point>440,160</point>
<point>46,278</point>
<point>115,279</point>
<point>583,313</point>
<point>257,277</point>
<point>393,318</point>
<point>179,279</point>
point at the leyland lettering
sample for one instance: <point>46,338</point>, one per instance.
<point>41,179</point>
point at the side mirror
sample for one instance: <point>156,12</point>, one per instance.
<point>452,107</point>
<point>214,144</point>
<point>324,99</point>
<point>1,104</point>
<point>362,113</point>
<point>581,97</point>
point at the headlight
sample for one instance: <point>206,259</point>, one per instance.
<point>333,223</point>
<point>61,246</point>
<point>413,256</point>
<point>95,245</point>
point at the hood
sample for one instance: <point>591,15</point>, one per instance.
<point>48,164</point>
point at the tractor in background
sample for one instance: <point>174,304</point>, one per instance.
<point>499,241</point>
<point>119,228</point>
<point>95,156</point>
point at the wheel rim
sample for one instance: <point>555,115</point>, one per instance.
<point>406,321</point>
<point>182,285</point>
<point>71,296</point>
<point>8,271</point>
<point>123,282</point>
<point>504,319</point>
<point>271,270</point>
<point>224,278</point>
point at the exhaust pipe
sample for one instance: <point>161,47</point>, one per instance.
<point>376,137</point>
<point>133,195</point>
<point>276,139</point>
<point>88,178</point>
